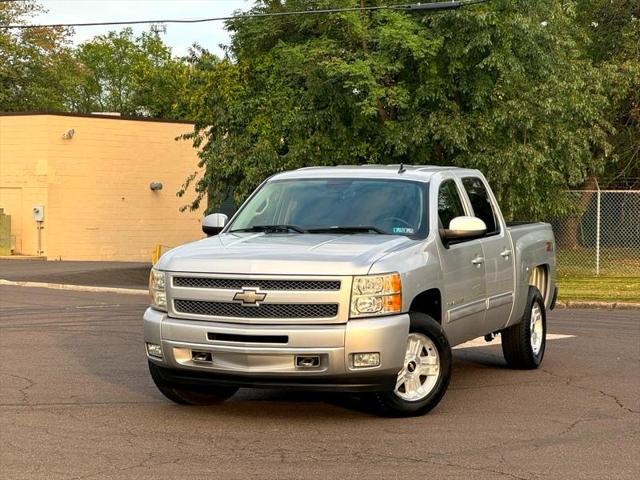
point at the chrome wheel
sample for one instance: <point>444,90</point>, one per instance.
<point>536,328</point>
<point>421,369</point>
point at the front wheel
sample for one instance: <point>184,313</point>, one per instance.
<point>189,396</point>
<point>424,377</point>
<point>523,344</point>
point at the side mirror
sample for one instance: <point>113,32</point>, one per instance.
<point>464,228</point>
<point>214,223</point>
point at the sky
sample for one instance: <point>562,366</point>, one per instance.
<point>178,36</point>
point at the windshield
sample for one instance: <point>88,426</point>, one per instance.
<point>345,205</point>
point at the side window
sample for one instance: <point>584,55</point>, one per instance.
<point>481,203</point>
<point>449,203</point>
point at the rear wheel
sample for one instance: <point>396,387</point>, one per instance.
<point>523,344</point>
<point>189,396</point>
<point>424,377</point>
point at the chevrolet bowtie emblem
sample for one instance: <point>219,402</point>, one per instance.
<point>249,296</point>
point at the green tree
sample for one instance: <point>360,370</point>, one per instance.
<point>612,41</point>
<point>37,67</point>
<point>214,86</point>
<point>504,87</point>
<point>610,38</point>
<point>130,75</point>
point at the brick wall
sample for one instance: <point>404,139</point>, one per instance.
<point>98,202</point>
<point>23,175</point>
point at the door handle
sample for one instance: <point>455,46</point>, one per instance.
<point>479,260</point>
<point>505,253</point>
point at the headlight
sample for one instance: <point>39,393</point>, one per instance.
<point>157,290</point>
<point>373,295</point>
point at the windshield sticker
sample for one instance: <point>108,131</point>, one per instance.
<point>404,230</point>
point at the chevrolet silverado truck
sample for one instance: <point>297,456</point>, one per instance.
<point>356,279</point>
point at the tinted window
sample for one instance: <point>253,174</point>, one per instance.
<point>449,203</point>
<point>480,202</point>
<point>395,207</point>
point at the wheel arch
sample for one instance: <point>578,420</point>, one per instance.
<point>428,302</point>
<point>539,278</point>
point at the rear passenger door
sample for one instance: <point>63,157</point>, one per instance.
<point>462,269</point>
<point>498,257</point>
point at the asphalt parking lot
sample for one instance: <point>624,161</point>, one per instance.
<point>76,401</point>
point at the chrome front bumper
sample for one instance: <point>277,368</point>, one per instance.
<point>273,363</point>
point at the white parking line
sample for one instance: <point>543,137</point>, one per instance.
<point>480,341</point>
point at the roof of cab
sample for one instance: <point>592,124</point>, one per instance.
<point>411,172</point>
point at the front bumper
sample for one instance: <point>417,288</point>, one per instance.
<point>265,355</point>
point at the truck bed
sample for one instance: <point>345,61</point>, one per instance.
<point>519,223</point>
<point>533,246</point>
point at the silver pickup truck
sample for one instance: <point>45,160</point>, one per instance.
<point>355,279</point>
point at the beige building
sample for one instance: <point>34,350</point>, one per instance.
<point>83,183</point>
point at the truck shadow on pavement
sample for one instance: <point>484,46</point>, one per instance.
<point>124,378</point>
<point>472,368</point>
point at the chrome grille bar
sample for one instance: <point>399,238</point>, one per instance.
<point>264,284</point>
<point>267,310</point>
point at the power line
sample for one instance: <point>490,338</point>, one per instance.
<point>408,7</point>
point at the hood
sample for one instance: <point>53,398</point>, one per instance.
<point>283,253</point>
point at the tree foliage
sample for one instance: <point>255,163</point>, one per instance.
<point>130,75</point>
<point>612,34</point>
<point>505,87</point>
<point>542,96</point>
<point>37,66</point>
<point>116,72</point>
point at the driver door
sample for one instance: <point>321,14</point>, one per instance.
<point>464,292</point>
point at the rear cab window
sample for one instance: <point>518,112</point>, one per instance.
<point>481,204</point>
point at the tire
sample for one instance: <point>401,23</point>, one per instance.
<point>399,402</point>
<point>522,347</point>
<point>186,396</point>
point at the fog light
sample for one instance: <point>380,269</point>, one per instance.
<point>154,350</point>
<point>361,360</point>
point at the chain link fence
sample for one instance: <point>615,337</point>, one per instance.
<point>603,238</point>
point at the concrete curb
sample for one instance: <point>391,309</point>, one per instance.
<point>22,257</point>
<point>594,304</point>
<point>76,288</point>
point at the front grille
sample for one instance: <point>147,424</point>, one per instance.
<point>266,310</point>
<point>239,283</point>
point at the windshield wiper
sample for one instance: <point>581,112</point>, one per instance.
<point>347,229</point>
<point>270,229</point>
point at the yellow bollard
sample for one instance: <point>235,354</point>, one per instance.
<point>156,253</point>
